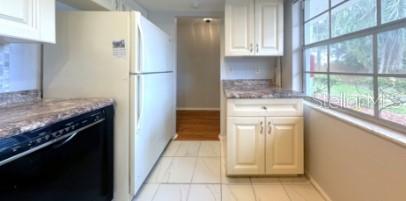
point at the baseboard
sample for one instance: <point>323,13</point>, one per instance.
<point>175,136</point>
<point>318,187</point>
<point>198,109</point>
<point>221,137</point>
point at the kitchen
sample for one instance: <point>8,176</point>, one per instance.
<point>152,100</point>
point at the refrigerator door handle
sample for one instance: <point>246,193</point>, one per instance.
<point>140,100</point>
<point>140,49</point>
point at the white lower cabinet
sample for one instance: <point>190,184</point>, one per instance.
<point>246,145</point>
<point>264,145</point>
<point>284,145</point>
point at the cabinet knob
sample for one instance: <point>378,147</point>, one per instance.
<point>251,48</point>
<point>257,48</point>
<point>264,108</point>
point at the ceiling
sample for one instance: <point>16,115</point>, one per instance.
<point>183,5</point>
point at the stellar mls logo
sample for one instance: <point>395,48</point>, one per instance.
<point>358,102</point>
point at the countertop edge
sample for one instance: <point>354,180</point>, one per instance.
<point>25,126</point>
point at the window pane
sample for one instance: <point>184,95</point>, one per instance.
<point>353,16</point>
<point>335,2</point>
<point>393,10</point>
<point>315,7</point>
<point>392,96</point>
<point>316,59</point>
<point>316,86</point>
<point>352,92</point>
<point>392,52</point>
<point>352,56</point>
<point>317,29</point>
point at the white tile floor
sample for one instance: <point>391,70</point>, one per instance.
<point>195,171</point>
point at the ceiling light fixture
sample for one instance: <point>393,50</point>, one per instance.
<point>207,19</point>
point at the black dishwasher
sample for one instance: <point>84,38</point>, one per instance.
<point>69,161</point>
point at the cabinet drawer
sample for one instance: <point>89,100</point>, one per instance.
<point>265,107</point>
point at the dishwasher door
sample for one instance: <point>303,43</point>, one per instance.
<point>74,169</point>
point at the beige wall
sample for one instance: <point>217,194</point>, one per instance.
<point>198,63</point>
<point>351,164</point>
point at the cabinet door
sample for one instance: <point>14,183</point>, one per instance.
<point>246,146</point>
<point>269,27</point>
<point>32,20</point>
<point>239,28</point>
<point>284,145</point>
<point>18,18</point>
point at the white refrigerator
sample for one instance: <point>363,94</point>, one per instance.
<point>124,56</point>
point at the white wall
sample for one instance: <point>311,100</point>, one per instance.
<point>351,164</point>
<point>198,62</point>
<point>248,68</point>
<point>20,67</point>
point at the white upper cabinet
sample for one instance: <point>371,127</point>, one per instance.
<point>97,5</point>
<point>239,22</point>
<point>27,20</point>
<point>254,28</point>
<point>269,27</point>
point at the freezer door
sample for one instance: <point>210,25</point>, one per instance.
<point>153,48</point>
<point>153,124</point>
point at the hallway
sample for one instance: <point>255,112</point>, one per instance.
<point>197,125</point>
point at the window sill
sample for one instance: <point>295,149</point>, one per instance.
<point>380,131</point>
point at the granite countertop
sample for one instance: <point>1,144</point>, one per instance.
<point>256,89</point>
<point>23,117</point>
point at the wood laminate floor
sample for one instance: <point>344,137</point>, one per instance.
<point>198,125</point>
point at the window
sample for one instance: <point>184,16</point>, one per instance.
<point>353,15</point>
<point>355,61</point>
<point>393,10</point>
<point>315,7</point>
<point>317,29</point>
<point>352,56</point>
<point>391,75</point>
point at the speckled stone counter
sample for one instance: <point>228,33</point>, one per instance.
<point>23,117</point>
<point>19,97</point>
<point>256,89</point>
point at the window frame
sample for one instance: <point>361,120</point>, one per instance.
<point>371,31</point>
